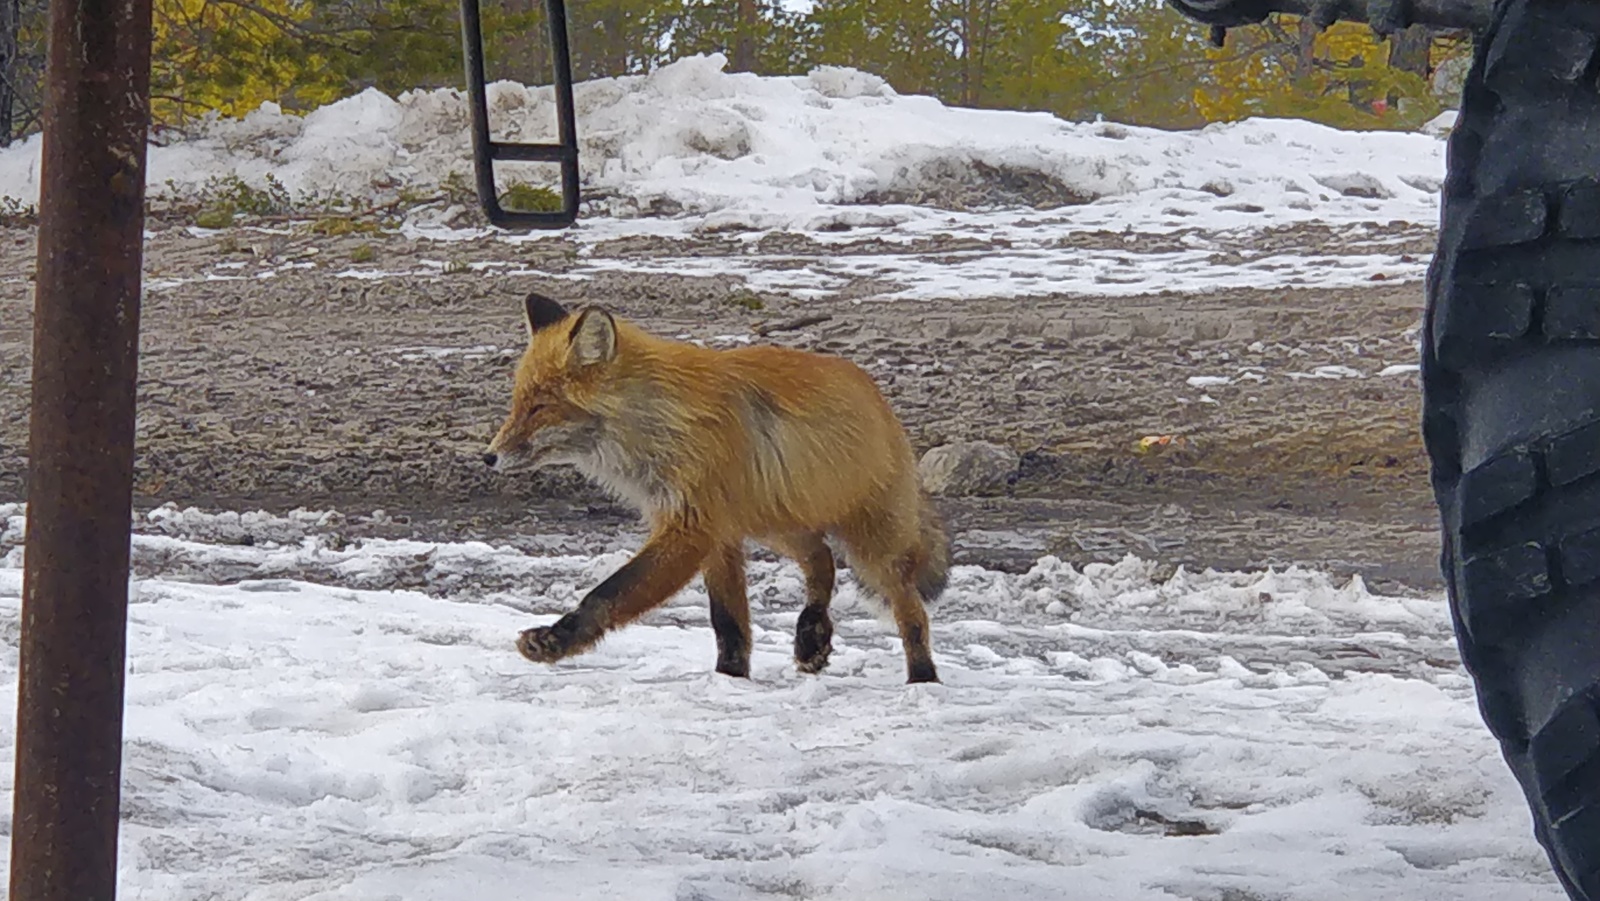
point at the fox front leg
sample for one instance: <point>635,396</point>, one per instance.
<point>730,609</point>
<point>662,567</point>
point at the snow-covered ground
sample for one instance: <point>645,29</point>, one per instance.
<point>1101,734</point>
<point>838,155</point>
<point>311,717</point>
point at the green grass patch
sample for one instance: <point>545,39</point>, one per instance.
<point>746,300</point>
<point>215,217</point>
<point>335,226</point>
<point>525,198</point>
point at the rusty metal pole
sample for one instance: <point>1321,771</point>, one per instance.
<point>80,477</point>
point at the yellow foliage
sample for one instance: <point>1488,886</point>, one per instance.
<point>1128,60</point>
<point>230,57</point>
<point>1344,80</point>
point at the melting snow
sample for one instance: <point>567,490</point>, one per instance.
<point>297,729</point>
<point>693,150</point>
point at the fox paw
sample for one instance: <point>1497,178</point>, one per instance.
<point>813,640</point>
<point>738,667</point>
<point>542,645</point>
<point>816,663</point>
<point>811,653</point>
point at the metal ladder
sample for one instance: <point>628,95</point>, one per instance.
<point>486,150</point>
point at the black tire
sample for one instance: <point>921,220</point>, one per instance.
<point>1511,409</point>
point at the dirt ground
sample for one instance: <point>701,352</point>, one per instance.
<point>306,389</point>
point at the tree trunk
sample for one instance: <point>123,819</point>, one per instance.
<point>608,57</point>
<point>981,40</point>
<point>10,23</point>
<point>1408,50</point>
<point>1307,47</point>
<point>744,41</point>
<point>527,60</point>
<point>969,53</point>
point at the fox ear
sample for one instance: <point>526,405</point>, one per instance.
<point>541,312</point>
<point>593,337</point>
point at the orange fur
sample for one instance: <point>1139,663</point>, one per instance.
<point>771,444</point>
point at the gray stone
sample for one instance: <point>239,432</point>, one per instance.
<point>968,468</point>
<point>1355,184</point>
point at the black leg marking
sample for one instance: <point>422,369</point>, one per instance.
<point>730,610</point>
<point>583,627</point>
<point>921,671</point>
<point>733,646</point>
<point>919,659</point>
<point>663,566</point>
<point>813,638</point>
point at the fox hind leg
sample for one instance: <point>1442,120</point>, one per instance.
<point>893,580</point>
<point>912,618</point>
<point>890,567</point>
<point>730,609</point>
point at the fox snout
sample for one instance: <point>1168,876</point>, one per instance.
<point>503,455</point>
<point>522,445</point>
<point>502,452</point>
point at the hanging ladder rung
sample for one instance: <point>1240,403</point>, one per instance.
<point>531,153</point>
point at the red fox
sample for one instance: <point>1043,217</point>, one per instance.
<point>779,446</point>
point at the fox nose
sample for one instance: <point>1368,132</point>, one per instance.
<point>491,459</point>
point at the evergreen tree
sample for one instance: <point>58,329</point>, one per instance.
<point>760,36</point>
<point>1130,60</point>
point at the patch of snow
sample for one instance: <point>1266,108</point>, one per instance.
<point>1400,369</point>
<point>693,151</point>
<point>476,352</point>
<point>296,732</point>
<point>1441,125</point>
<point>1030,268</point>
<point>834,148</point>
<point>1328,372</point>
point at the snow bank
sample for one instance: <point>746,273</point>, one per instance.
<point>834,148</point>
<point>295,739</point>
<point>311,545</point>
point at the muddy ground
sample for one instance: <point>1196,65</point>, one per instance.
<point>306,389</point>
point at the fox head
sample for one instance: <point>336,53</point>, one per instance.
<point>554,417</point>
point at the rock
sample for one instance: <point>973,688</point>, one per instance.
<point>1355,184</point>
<point>968,467</point>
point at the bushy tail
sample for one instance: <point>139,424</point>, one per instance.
<point>934,572</point>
